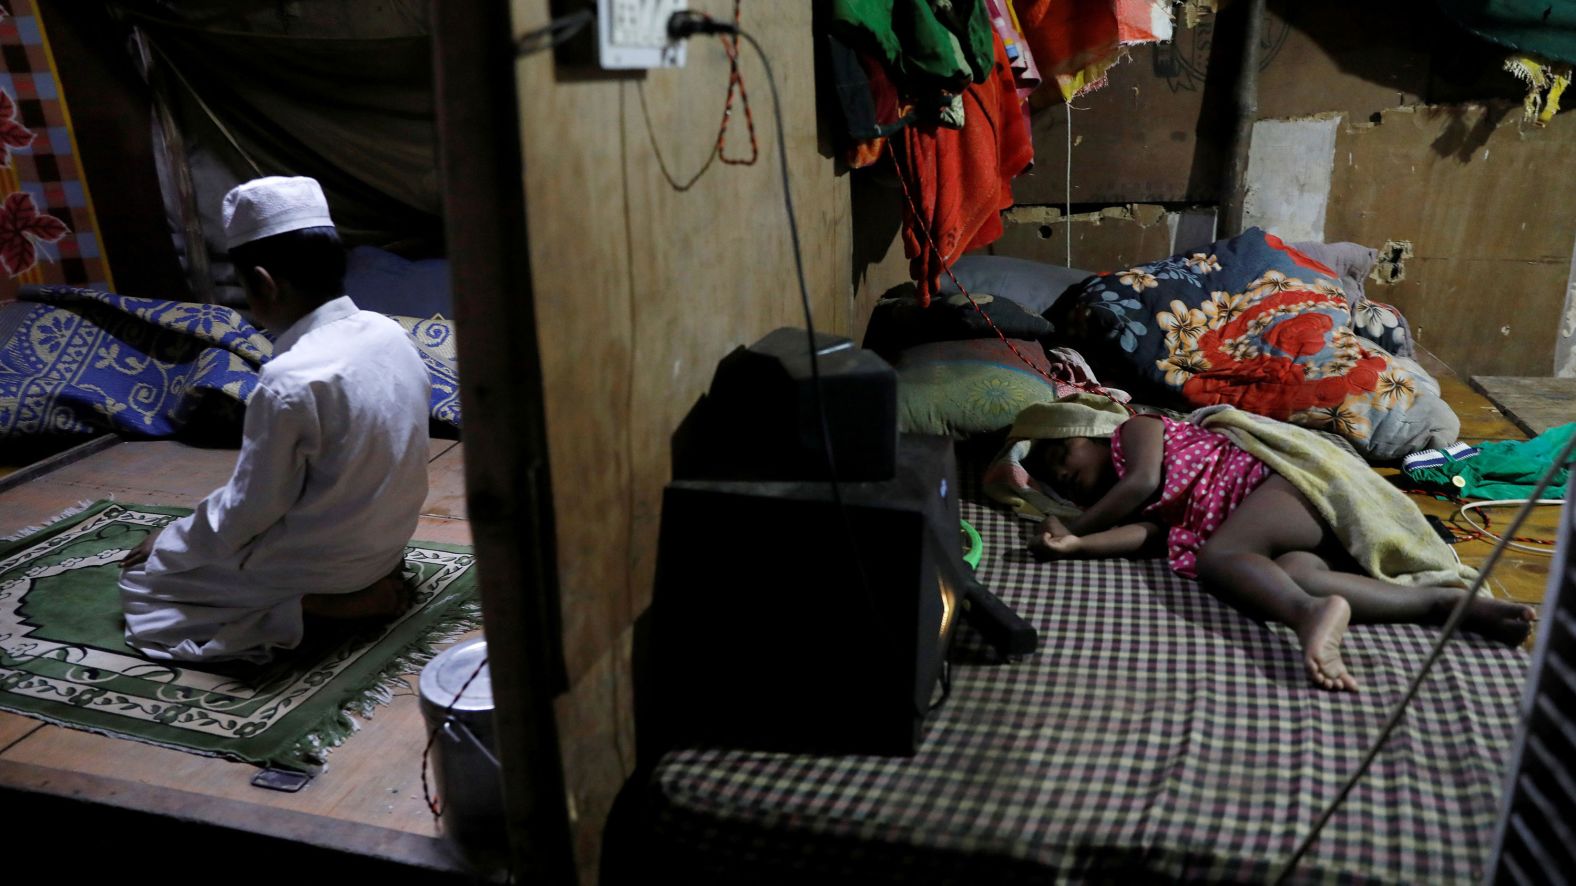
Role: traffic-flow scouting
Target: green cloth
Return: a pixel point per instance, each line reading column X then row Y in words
column 950, row 41
column 64, row 658
column 1378, row 524
column 1504, row 469
column 1545, row 28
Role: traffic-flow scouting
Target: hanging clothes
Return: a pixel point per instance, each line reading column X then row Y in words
column 872, row 107
column 897, row 62
column 1075, row 42
column 944, row 43
column 1546, row 82
column 1025, row 73
column 961, row 179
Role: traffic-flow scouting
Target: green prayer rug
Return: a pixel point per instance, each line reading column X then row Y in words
column 63, row 655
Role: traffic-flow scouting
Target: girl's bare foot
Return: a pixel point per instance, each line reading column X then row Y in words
column 1321, row 632
column 1501, row 620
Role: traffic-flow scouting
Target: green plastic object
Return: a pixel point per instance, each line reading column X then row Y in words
column 976, row 545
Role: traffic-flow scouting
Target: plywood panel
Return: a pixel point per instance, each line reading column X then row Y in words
column 446, row 484
column 1480, row 419
column 375, row 778
column 1120, row 240
column 1155, row 132
column 170, row 473
column 1134, row 140
column 1534, row 404
column 1520, row 575
column 1473, row 189
column 173, row 472
column 640, row 289
column 158, row 472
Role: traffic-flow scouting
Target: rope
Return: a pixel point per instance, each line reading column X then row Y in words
column 919, row 222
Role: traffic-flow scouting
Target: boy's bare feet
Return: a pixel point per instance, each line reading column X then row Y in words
column 1501, row 620
column 385, row 598
column 1321, row 632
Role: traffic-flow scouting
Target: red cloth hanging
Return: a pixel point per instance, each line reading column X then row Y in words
column 962, row 178
column 1074, row 41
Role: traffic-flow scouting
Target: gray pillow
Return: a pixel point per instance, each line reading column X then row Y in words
column 1351, row 262
column 1033, row 285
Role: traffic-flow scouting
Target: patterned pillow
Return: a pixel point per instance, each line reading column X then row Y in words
column 1383, row 325
column 434, row 340
column 81, row 361
column 957, row 388
column 1261, row 326
column 1380, row 323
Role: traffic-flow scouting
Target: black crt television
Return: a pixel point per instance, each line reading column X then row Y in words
column 783, row 620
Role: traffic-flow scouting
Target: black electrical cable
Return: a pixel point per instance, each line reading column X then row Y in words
column 809, row 326
column 555, row 33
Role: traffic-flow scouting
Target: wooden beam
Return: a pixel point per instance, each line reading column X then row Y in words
column 507, row 489
column 1247, row 111
column 57, row 461
column 151, row 807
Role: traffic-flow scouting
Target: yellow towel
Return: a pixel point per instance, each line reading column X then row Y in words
column 1377, row 523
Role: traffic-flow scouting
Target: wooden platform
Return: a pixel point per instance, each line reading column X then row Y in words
column 368, row 802
column 1532, row 404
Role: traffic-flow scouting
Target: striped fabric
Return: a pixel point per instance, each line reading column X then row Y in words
column 1157, row 733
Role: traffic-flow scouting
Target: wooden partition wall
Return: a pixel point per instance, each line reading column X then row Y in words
column 640, row 289
column 600, row 331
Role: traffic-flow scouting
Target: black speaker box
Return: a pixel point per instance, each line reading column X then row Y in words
column 761, row 418
column 777, row 626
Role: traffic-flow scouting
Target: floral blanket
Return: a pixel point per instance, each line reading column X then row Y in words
column 1255, row 324
column 81, row 361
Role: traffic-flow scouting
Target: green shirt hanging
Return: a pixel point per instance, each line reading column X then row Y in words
column 949, row 41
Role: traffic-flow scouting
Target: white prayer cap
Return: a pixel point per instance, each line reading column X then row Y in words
column 264, row 207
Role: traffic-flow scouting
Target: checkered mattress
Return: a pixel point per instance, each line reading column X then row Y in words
column 1159, row 733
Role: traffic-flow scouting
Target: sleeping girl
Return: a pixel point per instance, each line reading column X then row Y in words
column 1273, row 519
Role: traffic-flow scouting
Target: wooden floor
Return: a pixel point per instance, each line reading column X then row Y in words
column 370, row 798
column 1519, row 576
column 1533, row 404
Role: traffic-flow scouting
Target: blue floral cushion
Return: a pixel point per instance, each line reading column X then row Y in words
column 1257, row 324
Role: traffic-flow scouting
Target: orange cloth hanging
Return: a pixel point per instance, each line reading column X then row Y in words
column 963, row 177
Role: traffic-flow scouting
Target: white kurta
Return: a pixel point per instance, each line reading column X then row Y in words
column 326, row 492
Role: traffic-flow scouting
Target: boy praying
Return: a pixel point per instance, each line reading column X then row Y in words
column 332, row 471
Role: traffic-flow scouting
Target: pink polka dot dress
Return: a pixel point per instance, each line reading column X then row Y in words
column 1204, row 477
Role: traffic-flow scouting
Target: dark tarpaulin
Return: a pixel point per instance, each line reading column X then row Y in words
column 1545, row 28
column 340, row 91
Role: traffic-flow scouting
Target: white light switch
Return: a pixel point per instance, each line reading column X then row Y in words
column 633, row 34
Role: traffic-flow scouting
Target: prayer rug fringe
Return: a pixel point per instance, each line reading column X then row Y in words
column 72, row 511
column 310, row 753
